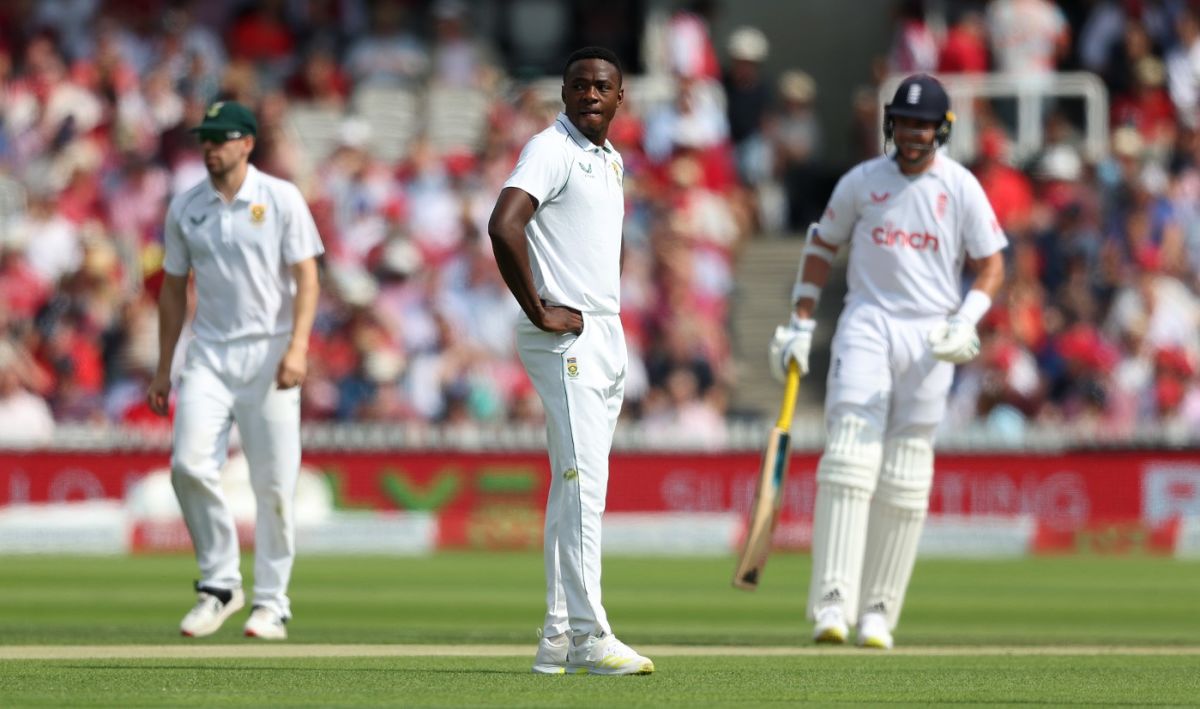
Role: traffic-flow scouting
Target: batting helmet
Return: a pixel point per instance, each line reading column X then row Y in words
column 922, row 97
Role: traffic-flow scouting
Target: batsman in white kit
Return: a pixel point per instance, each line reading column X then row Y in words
column 250, row 240
column 556, row 232
column 910, row 219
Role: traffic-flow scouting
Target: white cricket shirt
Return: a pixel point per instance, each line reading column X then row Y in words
column 242, row 252
column 574, row 238
column 909, row 236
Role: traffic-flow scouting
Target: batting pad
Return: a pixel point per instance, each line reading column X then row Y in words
column 845, row 479
column 894, row 531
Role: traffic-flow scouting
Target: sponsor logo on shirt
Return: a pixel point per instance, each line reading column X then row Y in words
column 890, row 236
column 587, row 169
column 197, row 221
column 877, row 198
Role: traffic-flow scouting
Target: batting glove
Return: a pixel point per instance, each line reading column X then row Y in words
column 791, row 341
column 954, row 340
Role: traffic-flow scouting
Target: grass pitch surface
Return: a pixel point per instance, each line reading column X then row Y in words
column 1070, row 631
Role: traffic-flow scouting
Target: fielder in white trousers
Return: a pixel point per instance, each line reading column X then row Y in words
column 581, row 381
column 224, row 383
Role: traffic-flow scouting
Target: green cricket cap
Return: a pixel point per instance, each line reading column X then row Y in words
column 229, row 118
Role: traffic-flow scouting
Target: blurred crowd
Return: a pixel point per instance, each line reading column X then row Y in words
column 414, row 324
column 1097, row 328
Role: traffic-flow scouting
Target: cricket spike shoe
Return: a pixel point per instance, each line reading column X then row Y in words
column 830, row 628
column 213, row 607
column 551, row 656
column 603, row 654
column 873, row 631
column 265, row 624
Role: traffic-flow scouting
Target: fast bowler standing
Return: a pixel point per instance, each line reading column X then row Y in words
column 252, row 244
column 556, row 232
column 910, row 219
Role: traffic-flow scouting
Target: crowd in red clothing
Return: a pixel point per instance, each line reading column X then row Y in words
column 414, row 324
column 1097, row 328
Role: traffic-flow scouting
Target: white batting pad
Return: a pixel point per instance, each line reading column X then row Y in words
column 845, row 479
column 897, row 515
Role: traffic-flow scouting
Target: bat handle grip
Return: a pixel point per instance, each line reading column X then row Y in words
column 791, row 388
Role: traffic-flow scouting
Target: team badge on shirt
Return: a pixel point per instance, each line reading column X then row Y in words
column 572, row 367
column 258, row 212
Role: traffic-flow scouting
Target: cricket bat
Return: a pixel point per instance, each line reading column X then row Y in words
column 765, row 512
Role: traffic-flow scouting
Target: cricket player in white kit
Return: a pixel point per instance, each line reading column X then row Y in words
column 250, row 240
column 911, row 220
column 556, row 232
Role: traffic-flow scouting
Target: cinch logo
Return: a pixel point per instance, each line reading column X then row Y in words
column 887, row 235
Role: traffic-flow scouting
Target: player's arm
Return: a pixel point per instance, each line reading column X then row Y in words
column 794, row 340
column 506, row 227
column 172, row 311
column 294, row 365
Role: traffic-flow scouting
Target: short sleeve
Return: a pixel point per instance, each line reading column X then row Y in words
column 837, row 223
column 981, row 232
column 541, row 170
column 176, row 259
column 300, row 238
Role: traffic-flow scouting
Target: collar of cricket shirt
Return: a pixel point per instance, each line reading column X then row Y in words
column 580, row 139
column 247, row 192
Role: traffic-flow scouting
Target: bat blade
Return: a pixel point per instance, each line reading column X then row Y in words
column 765, row 512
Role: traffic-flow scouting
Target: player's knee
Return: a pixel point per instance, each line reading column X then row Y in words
column 187, row 468
column 852, row 453
column 907, row 474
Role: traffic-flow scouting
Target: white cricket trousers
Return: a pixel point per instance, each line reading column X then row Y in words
column 222, row 383
column 581, row 381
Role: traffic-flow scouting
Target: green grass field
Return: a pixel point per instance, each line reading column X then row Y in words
column 1058, row 632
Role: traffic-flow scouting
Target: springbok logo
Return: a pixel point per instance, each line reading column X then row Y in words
column 258, row 212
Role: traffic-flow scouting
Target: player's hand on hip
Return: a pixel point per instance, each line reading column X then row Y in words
column 292, row 369
column 791, row 342
column 158, row 395
column 556, row 318
column 954, row 340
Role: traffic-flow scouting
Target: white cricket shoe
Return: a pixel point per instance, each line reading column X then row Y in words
column 266, row 624
column 212, row 607
column 831, row 627
column 605, row 655
column 873, row 631
column 551, row 656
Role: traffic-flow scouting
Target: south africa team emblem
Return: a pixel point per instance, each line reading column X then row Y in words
column 572, row 367
column 258, row 212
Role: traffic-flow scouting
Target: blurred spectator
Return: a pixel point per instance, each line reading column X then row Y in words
column 459, row 59
column 390, row 55
column 796, row 135
column 690, row 52
column 1183, row 70
column 965, row 50
column 1028, row 37
column 914, row 48
column 1008, row 189
column 748, row 96
column 25, row 418
column 319, row 80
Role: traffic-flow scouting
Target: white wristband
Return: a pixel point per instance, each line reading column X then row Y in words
column 803, row 290
column 975, row 306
